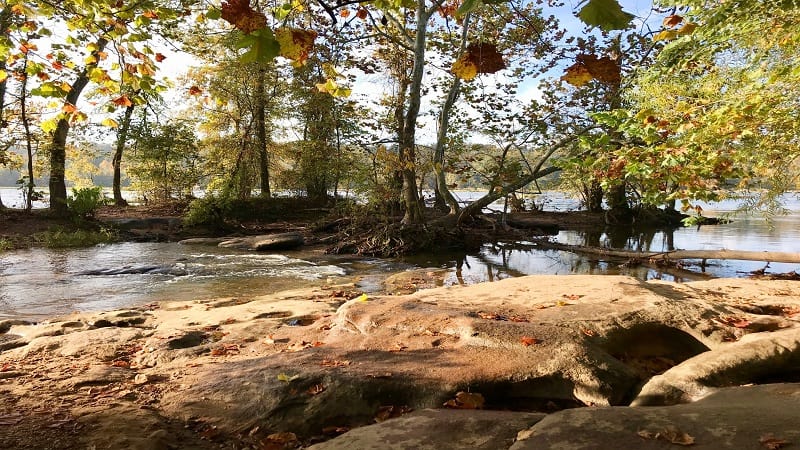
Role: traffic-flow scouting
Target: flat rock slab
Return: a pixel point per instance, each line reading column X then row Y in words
column 751, row 417
column 436, row 429
column 278, row 241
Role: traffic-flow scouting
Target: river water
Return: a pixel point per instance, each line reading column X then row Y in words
column 40, row 283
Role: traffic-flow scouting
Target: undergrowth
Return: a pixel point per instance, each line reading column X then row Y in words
column 59, row 238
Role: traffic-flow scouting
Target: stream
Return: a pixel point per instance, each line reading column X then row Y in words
column 39, row 283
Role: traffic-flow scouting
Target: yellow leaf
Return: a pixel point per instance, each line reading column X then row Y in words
column 3, row 75
column 687, row 29
column 666, row 35
column 361, row 298
column 286, row 378
column 464, row 68
column 49, row 125
column 109, row 122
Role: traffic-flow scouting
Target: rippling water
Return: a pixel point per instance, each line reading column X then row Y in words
column 39, row 283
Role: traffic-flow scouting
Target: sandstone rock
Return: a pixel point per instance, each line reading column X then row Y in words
column 435, row 429
column 731, row 418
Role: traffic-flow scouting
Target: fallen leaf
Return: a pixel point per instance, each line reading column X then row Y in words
column 588, row 332
column 121, row 363
column 573, row 296
column 316, row 389
column 527, row 341
column 334, row 363
column 286, row 378
column 772, row 443
column 466, row 400
column 391, row 412
column 733, row 321
column 334, row 430
column 670, row 434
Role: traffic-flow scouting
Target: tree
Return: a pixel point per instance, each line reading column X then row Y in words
column 164, row 163
column 718, row 113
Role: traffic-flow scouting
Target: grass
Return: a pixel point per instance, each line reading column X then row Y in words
column 59, row 238
column 5, row 245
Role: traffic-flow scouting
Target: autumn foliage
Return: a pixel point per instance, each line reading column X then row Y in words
column 242, row 16
column 480, row 57
column 590, row 67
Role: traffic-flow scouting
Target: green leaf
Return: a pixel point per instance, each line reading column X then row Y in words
column 606, row 14
column 468, row 6
column 214, row 13
column 262, row 45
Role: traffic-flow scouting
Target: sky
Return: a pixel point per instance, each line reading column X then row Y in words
column 178, row 63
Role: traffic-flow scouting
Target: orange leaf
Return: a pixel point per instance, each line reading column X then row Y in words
column 122, row 101
column 150, row 14
column 344, row 13
column 361, row 13
column 242, row 16
column 69, row 108
column 771, row 442
column 315, row 389
column 57, row 65
column 672, row 21
column 527, row 341
column 466, row 400
column 194, row 90
column 160, row 57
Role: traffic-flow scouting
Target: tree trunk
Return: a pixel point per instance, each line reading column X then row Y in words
column 413, row 213
column 778, row 257
column 261, row 130
column 58, row 187
column 116, row 162
column 593, row 193
column 443, row 194
column 619, row 210
column 23, row 110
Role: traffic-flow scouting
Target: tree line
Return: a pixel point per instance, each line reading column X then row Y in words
column 679, row 103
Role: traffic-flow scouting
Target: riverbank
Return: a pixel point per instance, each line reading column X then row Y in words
column 520, row 363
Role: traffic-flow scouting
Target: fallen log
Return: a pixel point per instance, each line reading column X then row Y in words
column 743, row 255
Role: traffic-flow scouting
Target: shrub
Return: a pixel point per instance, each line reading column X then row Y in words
column 210, row 211
column 84, row 202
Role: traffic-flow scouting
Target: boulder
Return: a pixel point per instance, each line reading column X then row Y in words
column 749, row 417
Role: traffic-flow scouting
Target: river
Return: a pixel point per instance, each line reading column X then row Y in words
column 39, row 283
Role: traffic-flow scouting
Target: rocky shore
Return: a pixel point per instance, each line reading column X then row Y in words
column 530, row 362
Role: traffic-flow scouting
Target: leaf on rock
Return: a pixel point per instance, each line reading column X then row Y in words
column 239, row 14
column 527, row 341
column 480, row 57
column 670, row 434
column 606, row 14
column 280, row 441
column 316, row 389
column 286, row 378
column 391, row 412
column 466, row 400
column 772, row 443
column 295, row 44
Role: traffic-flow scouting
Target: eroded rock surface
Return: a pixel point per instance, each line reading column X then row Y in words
column 317, row 362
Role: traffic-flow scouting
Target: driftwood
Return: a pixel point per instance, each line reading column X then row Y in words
column 781, row 257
